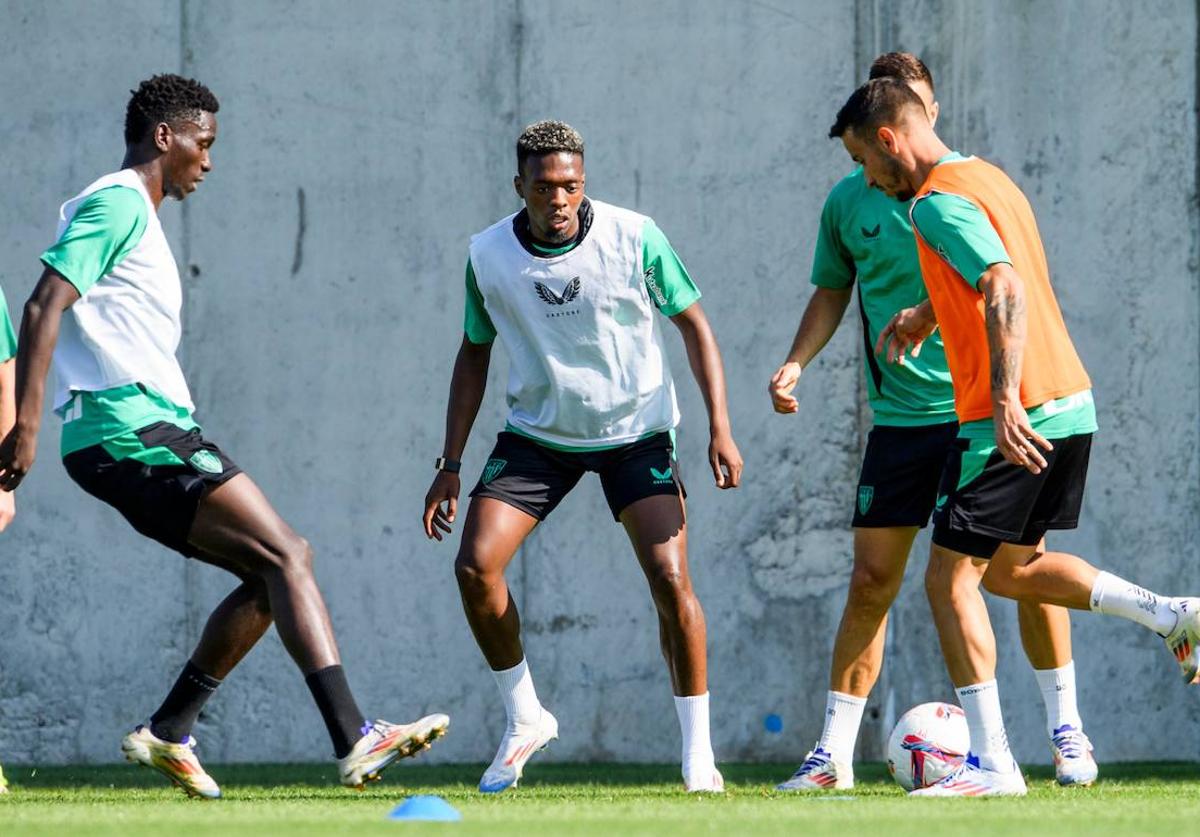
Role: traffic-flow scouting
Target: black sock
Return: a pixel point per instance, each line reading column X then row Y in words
column 175, row 718
column 342, row 716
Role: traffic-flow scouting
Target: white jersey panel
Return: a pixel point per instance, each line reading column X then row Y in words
column 587, row 362
column 127, row 327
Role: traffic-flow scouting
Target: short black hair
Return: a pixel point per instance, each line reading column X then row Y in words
column 547, row 137
column 165, row 98
column 901, row 65
column 879, row 101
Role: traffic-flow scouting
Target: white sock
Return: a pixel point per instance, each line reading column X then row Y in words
column 989, row 741
column 1114, row 596
column 521, row 703
column 843, row 717
column 693, row 726
column 1058, row 693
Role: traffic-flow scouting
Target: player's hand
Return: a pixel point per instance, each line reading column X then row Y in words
column 726, row 460
column 906, row 332
column 1015, row 437
column 438, row 519
column 782, row 383
column 17, row 453
column 8, row 508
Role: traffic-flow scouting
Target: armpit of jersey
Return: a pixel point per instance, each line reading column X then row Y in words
column 476, row 323
column 103, row 231
column 8, row 340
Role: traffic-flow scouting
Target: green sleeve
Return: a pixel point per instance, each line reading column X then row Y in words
column 667, row 280
column 104, row 229
column 476, row 323
column 8, row 340
column 960, row 233
column 833, row 266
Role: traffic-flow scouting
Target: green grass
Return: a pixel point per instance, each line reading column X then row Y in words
column 296, row 800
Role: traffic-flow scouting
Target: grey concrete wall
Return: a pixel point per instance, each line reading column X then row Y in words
column 360, row 146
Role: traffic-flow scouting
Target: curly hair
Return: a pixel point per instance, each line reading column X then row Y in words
column 878, row 102
column 165, row 98
column 902, row 65
column 547, row 137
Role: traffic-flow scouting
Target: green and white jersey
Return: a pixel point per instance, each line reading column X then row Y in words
column 8, row 338
column 865, row 236
column 588, row 368
column 115, row 363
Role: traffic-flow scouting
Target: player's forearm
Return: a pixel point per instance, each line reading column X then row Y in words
column 39, row 334
column 818, row 324
column 1006, row 320
column 704, row 357
column 467, row 386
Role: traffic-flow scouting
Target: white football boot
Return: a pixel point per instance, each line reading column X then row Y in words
column 969, row 779
column 177, row 762
column 3, row 782
column 1184, row 640
column 384, row 743
column 1074, row 763
column 519, row 743
column 819, row 771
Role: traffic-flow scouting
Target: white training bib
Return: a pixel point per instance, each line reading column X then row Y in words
column 587, row 362
column 126, row 328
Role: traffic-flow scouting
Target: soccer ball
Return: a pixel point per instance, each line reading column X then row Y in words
column 929, row 741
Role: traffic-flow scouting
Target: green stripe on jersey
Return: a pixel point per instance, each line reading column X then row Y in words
column 8, row 339
column 865, row 236
column 102, row 232
column 576, row 449
column 110, row 417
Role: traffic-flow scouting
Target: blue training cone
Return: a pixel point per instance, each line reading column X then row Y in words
column 425, row 808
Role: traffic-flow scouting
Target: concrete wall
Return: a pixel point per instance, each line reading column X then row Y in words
column 359, row 148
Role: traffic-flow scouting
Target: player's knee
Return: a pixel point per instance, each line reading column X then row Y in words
column 670, row 585
column 471, row 579
column 1000, row 582
column 872, row 588
column 294, row 556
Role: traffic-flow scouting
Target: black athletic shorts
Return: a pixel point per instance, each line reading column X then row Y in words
column 159, row 501
column 535, row 478
column 901, row 471
column 985, row 500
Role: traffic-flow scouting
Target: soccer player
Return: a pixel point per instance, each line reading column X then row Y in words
column 8, row 415
column 1025, row 409
column 107, row 309
column 865, row 239
column 571, row 287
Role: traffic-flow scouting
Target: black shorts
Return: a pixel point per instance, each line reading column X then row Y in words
column 159, row 501
column 901, row 471
column 985, row 500
column 535, row 478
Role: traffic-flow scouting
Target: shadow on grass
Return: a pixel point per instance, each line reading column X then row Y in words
column 466, row 776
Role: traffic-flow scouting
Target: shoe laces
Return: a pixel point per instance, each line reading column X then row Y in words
column 1071, row 742
column 816, row 760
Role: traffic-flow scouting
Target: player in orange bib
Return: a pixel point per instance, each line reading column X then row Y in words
column 1025, row 409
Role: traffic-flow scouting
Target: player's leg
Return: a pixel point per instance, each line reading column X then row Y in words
column 657, row 529
column 236, row 524
column 880, row 556
column 521, row 484
column 1046, row 638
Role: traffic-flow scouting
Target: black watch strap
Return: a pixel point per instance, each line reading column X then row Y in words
column 444, row 464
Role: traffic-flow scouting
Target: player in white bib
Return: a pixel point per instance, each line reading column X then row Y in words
column 575, row 289
column 107, row 310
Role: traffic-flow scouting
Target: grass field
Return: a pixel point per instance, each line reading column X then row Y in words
column 295, row 800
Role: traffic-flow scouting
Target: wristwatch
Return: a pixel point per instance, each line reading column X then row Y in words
column 453, row 466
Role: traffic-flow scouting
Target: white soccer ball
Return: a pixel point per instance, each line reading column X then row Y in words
column 929, row 741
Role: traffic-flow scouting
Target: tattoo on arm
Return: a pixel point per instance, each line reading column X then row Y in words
column 1005, row 314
